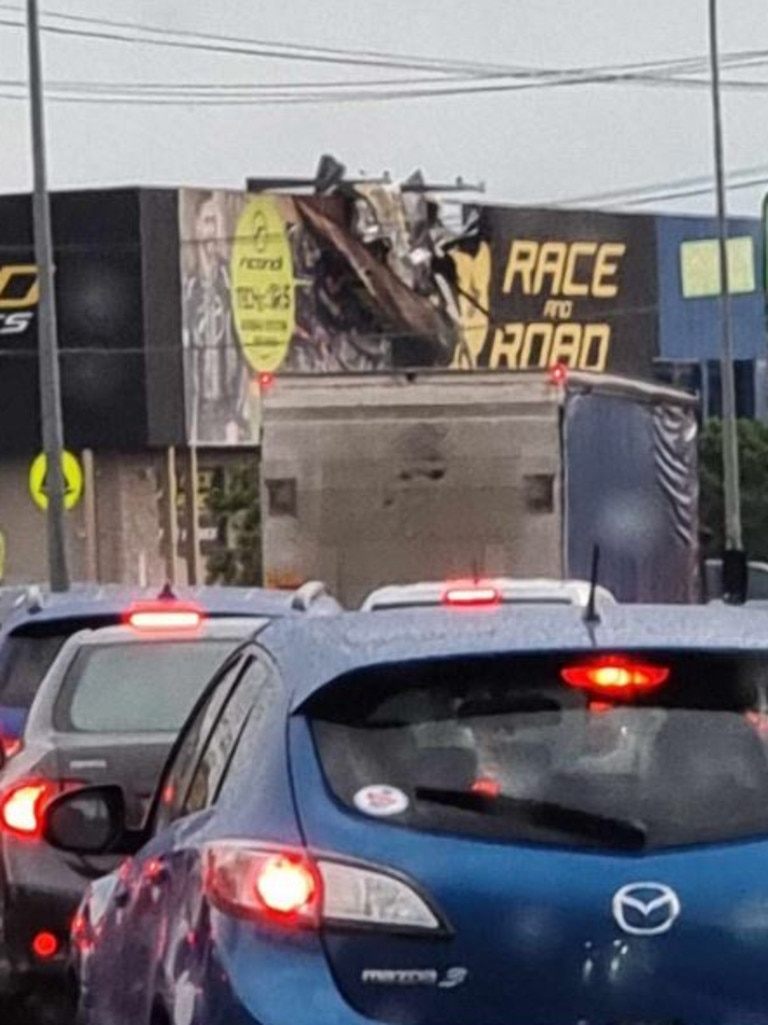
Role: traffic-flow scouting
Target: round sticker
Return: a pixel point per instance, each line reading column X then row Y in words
column 381, row 800
column 263, row 289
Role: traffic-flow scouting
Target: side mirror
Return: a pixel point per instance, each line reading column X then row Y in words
column 86, row 821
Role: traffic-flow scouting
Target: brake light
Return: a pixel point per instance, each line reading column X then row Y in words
column 286, row 886
column 558, row 373
column 21, row 808
column 45, row 946
column 163, row 616
column 266, row 380
column 257, row 884
column 616, row 675
column 292, row 889
column 471, row 595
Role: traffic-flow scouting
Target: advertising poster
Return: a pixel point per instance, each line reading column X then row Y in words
column 374, row 277
column 539, row 287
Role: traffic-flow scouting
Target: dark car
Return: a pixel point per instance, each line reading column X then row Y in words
column 512, row 816
column 108, row 710
column 37, row 625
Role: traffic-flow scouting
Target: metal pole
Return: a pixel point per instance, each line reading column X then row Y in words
column 50, row 389
column 171, row 525
column 733, row 538
column 91, row 520
column 194, row 561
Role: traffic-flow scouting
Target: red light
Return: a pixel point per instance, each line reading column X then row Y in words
column 471, row 595
column 759, row 720
column 619, row 676
column 598, row 707
column 487, row 787
column 154, row 871
column 10, row 747
column 45, row 946
column 285, row 886
column 558, row 373
column 21, row 809
column 78, row 932
column 163, row 616
column 257, row 885
column 266, row 380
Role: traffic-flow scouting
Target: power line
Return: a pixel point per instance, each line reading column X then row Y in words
column 301, row 52
column 689, row 193
column 641, row 191
column 132, row 94
column 355, row 92
column 292, row 50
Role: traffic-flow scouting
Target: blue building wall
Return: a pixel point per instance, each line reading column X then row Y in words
column 689, row 328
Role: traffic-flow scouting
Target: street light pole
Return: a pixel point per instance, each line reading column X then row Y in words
column 48, row 350
column 734, row 558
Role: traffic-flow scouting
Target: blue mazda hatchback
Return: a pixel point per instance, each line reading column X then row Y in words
column 448, row 817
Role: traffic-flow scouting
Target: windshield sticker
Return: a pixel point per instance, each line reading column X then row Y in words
column 381, row 800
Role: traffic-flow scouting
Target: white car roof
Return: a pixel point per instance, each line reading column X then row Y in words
column 530, row 591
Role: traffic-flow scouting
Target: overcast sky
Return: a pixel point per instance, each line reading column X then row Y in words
column 531, row 146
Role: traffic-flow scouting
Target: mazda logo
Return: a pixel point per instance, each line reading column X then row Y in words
column 646, row 909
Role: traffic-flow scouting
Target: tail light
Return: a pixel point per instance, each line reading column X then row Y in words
column 293, row 889
column 22, row 808
column 471, row 595
column 616, row 675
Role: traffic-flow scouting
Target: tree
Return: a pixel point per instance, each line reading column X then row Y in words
column 753, row 457
column 237, row 501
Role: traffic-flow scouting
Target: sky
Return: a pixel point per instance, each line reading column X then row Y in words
column 537, row 138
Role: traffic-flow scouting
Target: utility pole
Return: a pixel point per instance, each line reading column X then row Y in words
column 734, row 557
column 48, row 350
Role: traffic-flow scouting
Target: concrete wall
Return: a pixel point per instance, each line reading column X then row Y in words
column 126, row 546
column 129, row 494
column 23, row 526
column 120, row 529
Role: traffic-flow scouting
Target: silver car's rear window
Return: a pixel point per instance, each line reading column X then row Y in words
column 137, row 688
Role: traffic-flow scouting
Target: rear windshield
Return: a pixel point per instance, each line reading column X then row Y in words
column 27, row 654
column 503, row 748
column 137, row 687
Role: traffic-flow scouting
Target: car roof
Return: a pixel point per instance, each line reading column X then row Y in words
column 510, row 590
column 224, row 628
column 311, row 653
column 110, row 600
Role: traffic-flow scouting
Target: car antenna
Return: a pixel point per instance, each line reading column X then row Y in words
column 591, row 614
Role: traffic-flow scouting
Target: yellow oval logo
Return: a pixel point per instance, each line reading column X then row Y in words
column 263, row 290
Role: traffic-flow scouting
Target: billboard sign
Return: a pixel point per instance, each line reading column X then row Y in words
column 540, row 287
column 376, row 279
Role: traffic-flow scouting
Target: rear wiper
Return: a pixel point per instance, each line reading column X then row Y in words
column 629, row 833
